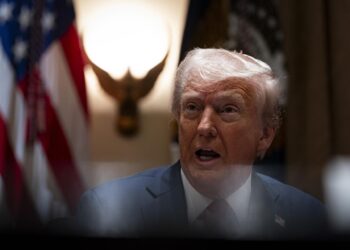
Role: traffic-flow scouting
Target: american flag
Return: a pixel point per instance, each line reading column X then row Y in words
column 44, row 116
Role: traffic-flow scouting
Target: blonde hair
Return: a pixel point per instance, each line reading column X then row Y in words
column 215, row 65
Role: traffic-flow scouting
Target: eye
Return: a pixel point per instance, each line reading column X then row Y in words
column 229, row 109
column 229, row 112
column 191, row 109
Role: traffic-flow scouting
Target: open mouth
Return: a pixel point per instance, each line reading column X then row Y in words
column 206, row 155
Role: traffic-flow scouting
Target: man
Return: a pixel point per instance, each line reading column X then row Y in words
column 226, row 105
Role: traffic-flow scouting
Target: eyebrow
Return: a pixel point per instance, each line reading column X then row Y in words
column 235, row 96
column 222, row 93
column 238, row 92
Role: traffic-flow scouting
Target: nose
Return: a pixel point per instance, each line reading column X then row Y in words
column 206, row 126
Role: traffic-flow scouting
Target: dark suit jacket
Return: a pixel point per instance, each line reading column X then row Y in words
column 152, row 204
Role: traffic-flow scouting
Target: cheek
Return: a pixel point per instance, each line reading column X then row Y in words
column 187, row 131
column 187, row 128
column 242, row 140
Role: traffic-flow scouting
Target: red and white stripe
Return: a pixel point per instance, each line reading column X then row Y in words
column 49, row 176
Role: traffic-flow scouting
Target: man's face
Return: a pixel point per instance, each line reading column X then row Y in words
column 220, row 133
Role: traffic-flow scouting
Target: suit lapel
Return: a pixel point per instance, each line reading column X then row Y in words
column 263, row 217
column 165, row 213
column 164, row 205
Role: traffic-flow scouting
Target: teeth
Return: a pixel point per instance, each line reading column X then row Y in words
column 206, row 155
column 205, row 158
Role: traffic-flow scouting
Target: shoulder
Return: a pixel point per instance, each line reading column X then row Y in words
column 304, row 213
column 286, row 193
column 114, row 208
column 127, row 185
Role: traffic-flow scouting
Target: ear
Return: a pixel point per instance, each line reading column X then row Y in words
column 265, row 140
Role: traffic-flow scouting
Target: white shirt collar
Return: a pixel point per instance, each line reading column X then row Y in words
column 196, row 202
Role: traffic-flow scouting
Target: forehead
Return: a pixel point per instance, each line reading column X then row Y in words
column 247, row 89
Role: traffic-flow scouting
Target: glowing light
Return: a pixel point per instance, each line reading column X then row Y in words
column 337, row 190
column 126, row 36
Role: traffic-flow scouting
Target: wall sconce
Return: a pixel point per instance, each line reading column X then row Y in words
column 133, row 41
column 127, row 91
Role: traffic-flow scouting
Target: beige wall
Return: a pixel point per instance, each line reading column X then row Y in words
column 111, row 154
